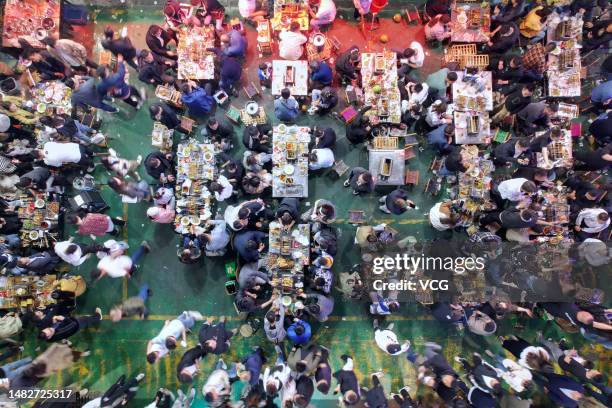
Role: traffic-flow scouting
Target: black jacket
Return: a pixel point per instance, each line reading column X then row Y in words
column 165, row 167
column 157, row 47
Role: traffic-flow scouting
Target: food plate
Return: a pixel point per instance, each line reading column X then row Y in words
column 282, row 128
column 286, row 300
column 208, row 156
column 462, row 18
column 185, row 221
column 251, row 108
column 41, row 108
column 33, row 235
column 40, row 203
column 288, row 169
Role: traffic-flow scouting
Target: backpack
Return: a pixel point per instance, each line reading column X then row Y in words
column 10, row 325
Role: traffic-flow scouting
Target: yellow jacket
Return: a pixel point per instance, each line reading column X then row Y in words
column 532, row 24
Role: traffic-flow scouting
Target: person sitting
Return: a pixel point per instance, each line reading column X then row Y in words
column 163, row 113
column 324, row 15
column 321, row 75
column 441, row 138
column 153, row 71
column 360, row 180
column 360, row 128
column 327, row 100
column 533, row 26
column 157, row 40
column 159, row 166
column 503, row 38
column 508, row 13
column 396, row 202
column 220, row 132
column 534, row 60
column 291, row 43
column 321, row 159
column 438, row 28
column 510, row 152
column 197, row 100
column 324, row 138
column 256, row 183
column 250, row 244
column 256, row 138
column 347, row 64
column 286, row 108
column 234, row 44
column 251, row 10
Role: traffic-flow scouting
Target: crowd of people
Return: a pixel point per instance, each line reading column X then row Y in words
column 44, row 152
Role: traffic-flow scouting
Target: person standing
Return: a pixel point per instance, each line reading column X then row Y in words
column 66, row 326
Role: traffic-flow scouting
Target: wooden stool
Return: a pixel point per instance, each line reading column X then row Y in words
column 251, row 90
column 412, row 178
column 186, row 125
column 356, row 217
column 412, row 15
column 233, row 114
column 340, row 167
column 409, row 153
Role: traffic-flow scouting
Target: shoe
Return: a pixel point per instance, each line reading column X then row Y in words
column 382, row 199
column 347, row 183
column 90, row 169
column 391, row 326
column 355, row 192
column 140, row 377
column 99, row 312
column 384, row 209
column 458, row 359
column 143, row 93
column 139, row 104
column 83, row 392
column 98, row 139
column 139, row 159
column 146, row 246
column 116, row 110
column 86, row 353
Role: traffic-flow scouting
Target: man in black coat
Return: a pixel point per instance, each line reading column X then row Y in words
column 159, row 166
column 66, row 326
column 215, row 338
column 164, row 114
column 157, row 40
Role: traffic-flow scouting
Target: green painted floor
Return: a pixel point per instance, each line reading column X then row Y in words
column 120, row 348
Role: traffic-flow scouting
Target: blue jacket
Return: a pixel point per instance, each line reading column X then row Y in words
column 286, row 110
column 299, row 339
column 602, row 92
column 198, row 102
column 115, row 82
column 237, row 46
column 88, row 94
column 240, row 242
column 323, row 75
